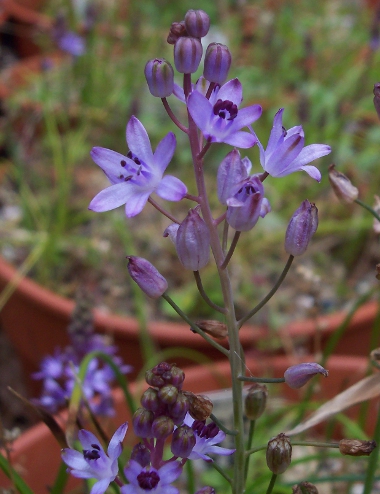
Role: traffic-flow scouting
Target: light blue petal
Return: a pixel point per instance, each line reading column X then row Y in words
column 284, row 156
column 114, row 448
column 276, row 132
column 313, row 172
column 246, row 116
column 170, row 472
column 109, row 161
column 220, row 451
column 164, row 152
column 87, row 439
column 138, row 141
column 112, row 197
column 136, row 203
column 73, row 459
column 100, row 487
column 231, row 91
column 311, row 153
column 240, row 139
column 200, row 109
column 171, row 188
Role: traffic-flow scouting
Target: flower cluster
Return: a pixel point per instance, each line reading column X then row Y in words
column 164, row 412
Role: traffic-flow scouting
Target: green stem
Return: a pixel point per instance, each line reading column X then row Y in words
column 270, row 294
column 194, row 326
column 221, row 471
column 190, row 476
column 231, row 250
column 262, row 379
column 271, row 483
column 368, row 208
column 221, row 426
column 204, row 294
column 373, row 460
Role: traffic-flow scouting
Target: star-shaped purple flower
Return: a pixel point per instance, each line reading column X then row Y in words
column 94, row 462
column 136, row 176
column 207, row 437
column 148, row 479
column 285, row 152
column 219, row 117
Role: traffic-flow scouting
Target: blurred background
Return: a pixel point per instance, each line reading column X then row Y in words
column 71, row 75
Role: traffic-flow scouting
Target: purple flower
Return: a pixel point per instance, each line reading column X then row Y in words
column 148, row 479
column 220, row 119
column 93, row 462
column 207, row 437
column 285, row 152
column 72, row 43
column 136, row 176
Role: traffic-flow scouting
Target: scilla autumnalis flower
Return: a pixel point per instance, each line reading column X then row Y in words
column 285, row 152
column 151, row 480
column 136, row 176
column 219, row 117
column 93, row 462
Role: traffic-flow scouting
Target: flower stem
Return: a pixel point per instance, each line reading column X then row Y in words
column 269, row 295
column 271, row 483
column 231, row 250
column 249, row 445
column 204, row 294
column 262, row 379
column 194, row 326
column 368, row 208
column 172, row 116
column 221, row 426
column 163, row 211
column 373, row 460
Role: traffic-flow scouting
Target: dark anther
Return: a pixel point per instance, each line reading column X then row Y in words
column 91, row 455
column 123, row 163
column 129, row 155
column 224, row 108
column 128, row 178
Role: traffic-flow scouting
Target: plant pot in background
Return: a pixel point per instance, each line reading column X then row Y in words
column 35, row 321
column 36, row 454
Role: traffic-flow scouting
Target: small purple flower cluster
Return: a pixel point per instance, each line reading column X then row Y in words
column 58, row 373
column 164, row 412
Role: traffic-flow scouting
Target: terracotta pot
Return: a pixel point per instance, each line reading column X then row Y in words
column 35, row 320
column 37, row 455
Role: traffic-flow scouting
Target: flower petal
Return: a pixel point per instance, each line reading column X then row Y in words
column 240, row 139
column 220, row 451
column 114, row 448
column 200, row 109
column 111, row 197
column 313, row 172
column 164, row 152
column 73, row 459
column 284, row 156
column 171, row 188
column 87, row 439
column 311, row 153
column 170, row 472
column 109, row 161
column 247, row 115
column 136, row 203
column 100, row 487
column 138, row 141
column 231, row 91
column 276, row 132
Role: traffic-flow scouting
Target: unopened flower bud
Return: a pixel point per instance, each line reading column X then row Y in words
column 298, row 375
column 232, row 170
column 159, row 75
column 354, row 447
column 217, row 63
column 200, row 406
column 151, row 282
column 183, row 441
column 342, row 186
column 216, row 329
column 255, row 401
column 193, row 242
column 141, row 454
column 149, row 399
column 376, row 99
column 168, row 394
column 197, row 23
column 142, row 421
column 305, row 488
column 301, row 228
column 179, row 409
column 279, row 454
column 162, row 427
column 176, row 377
column 153, row 380
column 177, row 30
column 187, row 54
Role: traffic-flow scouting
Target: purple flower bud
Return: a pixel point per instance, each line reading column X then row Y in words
column 183, row 441
column 255, row 401
column 179, row 409
column 151, row 282
column 193, row 242
column 301, row 228
column 141, row 454
column 305, row 488
column 298, row 375
column 154, row 380
column 162, row 427
column 197, row 23
column 244, row 207
column 232, row 170
column 142, row 421
column 176, row 377
column 279, row 454
column 187, row 54
column 159, row 75
column 217, row 63
column 206, row 490
column 342, row 186
column 168, row 394
column 149, row 399
column 171, row 232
